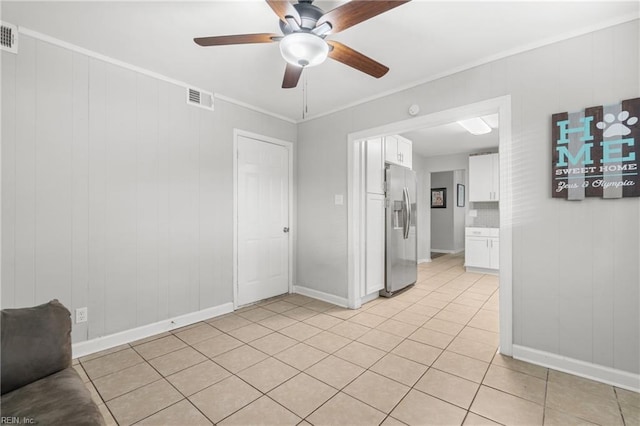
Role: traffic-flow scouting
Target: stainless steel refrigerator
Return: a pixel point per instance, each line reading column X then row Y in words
column 401, row 250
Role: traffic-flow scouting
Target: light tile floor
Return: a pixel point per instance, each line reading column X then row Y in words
column 426, row 356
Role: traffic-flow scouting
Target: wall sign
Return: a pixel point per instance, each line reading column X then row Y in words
column 595, row 152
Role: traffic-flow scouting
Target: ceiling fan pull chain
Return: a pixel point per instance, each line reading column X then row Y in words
column 306, row 94
column 305, row 107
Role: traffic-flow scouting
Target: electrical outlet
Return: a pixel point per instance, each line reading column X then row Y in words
column 81, row 315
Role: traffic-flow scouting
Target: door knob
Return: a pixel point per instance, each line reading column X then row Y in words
column 285, row 229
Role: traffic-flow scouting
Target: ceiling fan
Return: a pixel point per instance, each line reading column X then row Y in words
column 305, row 28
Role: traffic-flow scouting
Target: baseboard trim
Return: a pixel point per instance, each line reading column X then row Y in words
column 447, row 251
column 320, row 295
column 424, row 261
column 369, row 297
column 611, row 376
column 482, row 270
column 106, row 342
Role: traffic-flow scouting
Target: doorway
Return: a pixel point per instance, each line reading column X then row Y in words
column 262, row 218
column 356, row 212
column 447, row 219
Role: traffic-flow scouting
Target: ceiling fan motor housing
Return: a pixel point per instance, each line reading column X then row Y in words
column 303, row 42
column 309, row 15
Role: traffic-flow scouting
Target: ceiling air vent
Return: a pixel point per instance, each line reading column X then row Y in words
column 8, row 37
column 200, row 98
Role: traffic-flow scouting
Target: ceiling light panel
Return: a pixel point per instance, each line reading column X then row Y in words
column 492, row 120
column 475, row 126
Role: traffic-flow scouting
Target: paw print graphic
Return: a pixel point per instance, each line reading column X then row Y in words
column 616, row 126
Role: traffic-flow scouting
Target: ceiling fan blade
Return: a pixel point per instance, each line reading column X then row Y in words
column 236, row 39
column 355, row 59
column 291, row 76
column 356, row 11
column 283, row 9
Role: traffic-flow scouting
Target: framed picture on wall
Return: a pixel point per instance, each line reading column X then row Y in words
column 438, row 198
column 460, row 201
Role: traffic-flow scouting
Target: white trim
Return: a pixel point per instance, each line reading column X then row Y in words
column 254, row 108
column 369, row 297
column 320, row 295
column 292, row 201
column 355, row 236
column 424, row 261
column 611, row 376
column 106, row 342
column 483, row 61
column 482, row 270
column 447, row 251
column 356, row 227
column 110, row 60
column 234, row 260
column 104, row 58
column 506, row 225
column 576, row 33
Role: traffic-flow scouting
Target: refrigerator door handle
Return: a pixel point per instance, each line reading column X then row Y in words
column 407, row 206
column 408, row 212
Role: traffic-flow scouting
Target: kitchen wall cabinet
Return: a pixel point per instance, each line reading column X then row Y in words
column 375, row 166
column 484, row 177
column 482, row 248
column 398, row 150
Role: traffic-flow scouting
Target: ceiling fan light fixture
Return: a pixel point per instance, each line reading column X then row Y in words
column 475, row 126
column 304, row 49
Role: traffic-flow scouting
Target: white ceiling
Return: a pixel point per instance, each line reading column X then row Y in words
column 417, row 41
column 451, row 138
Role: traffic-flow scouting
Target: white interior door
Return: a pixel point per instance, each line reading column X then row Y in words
column 263, row 220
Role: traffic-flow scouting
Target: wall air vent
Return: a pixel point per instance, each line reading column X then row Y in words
column 8, row 37
column 199, row 98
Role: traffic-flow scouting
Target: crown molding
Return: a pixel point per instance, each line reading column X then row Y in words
column 483, row 61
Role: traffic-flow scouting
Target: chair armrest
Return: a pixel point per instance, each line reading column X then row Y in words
column 35, row 343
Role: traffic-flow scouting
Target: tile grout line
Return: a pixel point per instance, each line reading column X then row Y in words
column 412, row 387
column 544, row 402
column 273, row 356
column 452, row 291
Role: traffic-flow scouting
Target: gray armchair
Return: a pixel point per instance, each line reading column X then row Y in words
column 39, row 384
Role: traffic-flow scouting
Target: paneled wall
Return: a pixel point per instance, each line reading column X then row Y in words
column 116, row 194
column 442, row 226
column 576, row 265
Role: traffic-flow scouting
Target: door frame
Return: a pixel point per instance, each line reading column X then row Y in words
column 356, row 182
column 292, row 225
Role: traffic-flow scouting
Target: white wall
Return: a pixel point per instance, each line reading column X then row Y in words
column 442, row 234
column 116, row 194
column 575, row 264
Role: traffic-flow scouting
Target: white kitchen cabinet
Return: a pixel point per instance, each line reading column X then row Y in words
column 476, row 253
column 482, row 248
column 375, row 244
column 494, row 253
column 375, row 166
column 398, row 150
column 484, row 177
column 405, row 150
column 391, row 149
